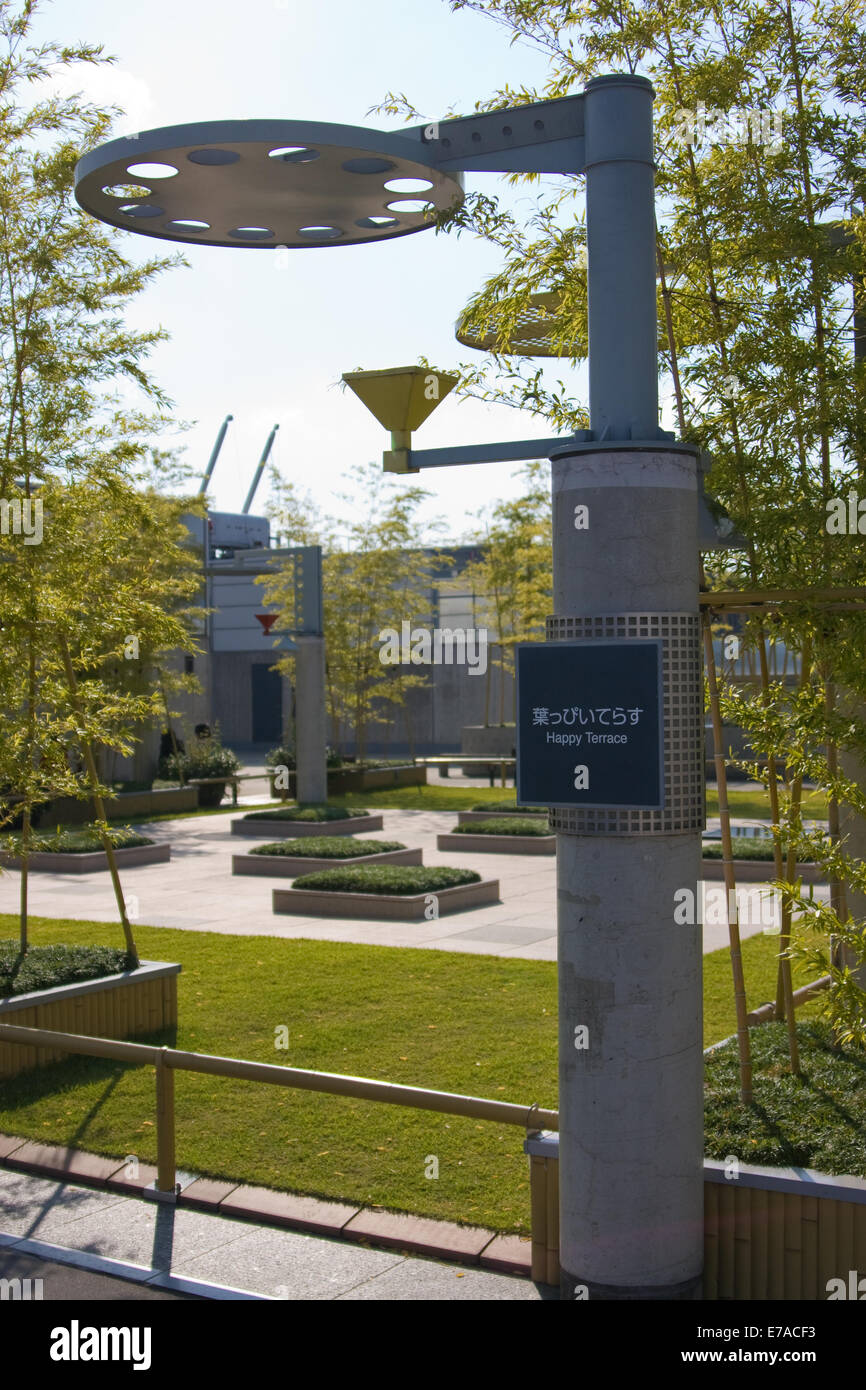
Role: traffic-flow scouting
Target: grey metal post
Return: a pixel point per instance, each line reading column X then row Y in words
column 630, row 1102
column 621, row 262
column 310, row 720
column 215, row 451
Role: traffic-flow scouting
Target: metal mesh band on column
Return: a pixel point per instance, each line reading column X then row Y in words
column 684, row 808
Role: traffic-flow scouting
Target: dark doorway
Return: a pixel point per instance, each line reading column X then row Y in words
column 267, row 705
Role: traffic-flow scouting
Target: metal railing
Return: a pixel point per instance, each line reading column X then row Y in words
column 168, row 1060
column 491, row 761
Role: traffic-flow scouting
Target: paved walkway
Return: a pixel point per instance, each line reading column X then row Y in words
column 154, row 1246
column 196, row 891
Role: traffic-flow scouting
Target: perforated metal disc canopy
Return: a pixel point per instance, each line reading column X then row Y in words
column 266, row 184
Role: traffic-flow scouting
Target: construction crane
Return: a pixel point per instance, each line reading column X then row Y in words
column 208, row 473
column 259, row 471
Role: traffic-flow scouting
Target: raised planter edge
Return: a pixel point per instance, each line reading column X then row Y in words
column 263, row 865
column 497, row 844
column 295, row 829
column 330, row 902
column 55, row 861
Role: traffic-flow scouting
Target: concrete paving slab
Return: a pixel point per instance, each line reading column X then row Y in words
column 508, row 1254
column 309, row 1213
column 65, row 1284
column 9, row 1143
column 292, row 1266
column 28, row 1202
column 437, row 1283
column 186, row 1251
column 205, row 1193
column 424, row 1236
column 53, row 1160
column 196, row 891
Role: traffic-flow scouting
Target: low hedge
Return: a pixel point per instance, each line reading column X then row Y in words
column 815, row 1120
column 307, row 813
column 504, row 825
column 44, row 967
column 508, row 806
column 757, row 849
column 85, row 840
column 328, row 847
column 395, row 880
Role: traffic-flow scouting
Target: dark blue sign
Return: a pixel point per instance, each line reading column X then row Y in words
column 589, row 724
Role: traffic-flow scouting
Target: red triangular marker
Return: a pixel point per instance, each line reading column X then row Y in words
column 267, row 620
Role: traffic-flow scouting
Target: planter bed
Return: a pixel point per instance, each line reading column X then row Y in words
column 498, row 844
column 272, row 828
column 760, row 871
column 392, row 893
column 502, row 835
column 468, row 817
column 127, row 1005
column 349, row 779
column 293, row 865
column 70, row 810
column 66, row 862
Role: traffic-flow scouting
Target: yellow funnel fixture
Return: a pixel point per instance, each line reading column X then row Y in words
column 401, row 398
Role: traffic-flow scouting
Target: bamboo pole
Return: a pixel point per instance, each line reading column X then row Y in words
column 743, row 1040
column 25, row 869
column 838, row 894
column 102, row 822
column 784, row 978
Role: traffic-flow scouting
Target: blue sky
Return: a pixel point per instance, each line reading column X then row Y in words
column 267, row 341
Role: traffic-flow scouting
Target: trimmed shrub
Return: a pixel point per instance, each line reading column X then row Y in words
column 761, row 850
column 395, row 880
column 206, row 758
column 494, row 806
column 504, row 825
column 44, row 967
column 281, row 757
column 328, row 847
column 307, row 813
column 85, row 840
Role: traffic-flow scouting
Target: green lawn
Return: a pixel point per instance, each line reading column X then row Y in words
column 750, row 802
column 480, row 1025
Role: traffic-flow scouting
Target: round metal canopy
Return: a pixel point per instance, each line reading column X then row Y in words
column 265, row 184
column 538, row 331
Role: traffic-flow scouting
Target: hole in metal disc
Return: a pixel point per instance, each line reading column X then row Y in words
column 408, row 185
column 411, row 205
column 151, row 171
column 142, row 210
column 320, row 233
column 506, row 130
column 367, row 166
column 213, row 157
column 127, row 191
column 378, row 222
column 294, row 154
column 251, row 233
column 186, row 224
